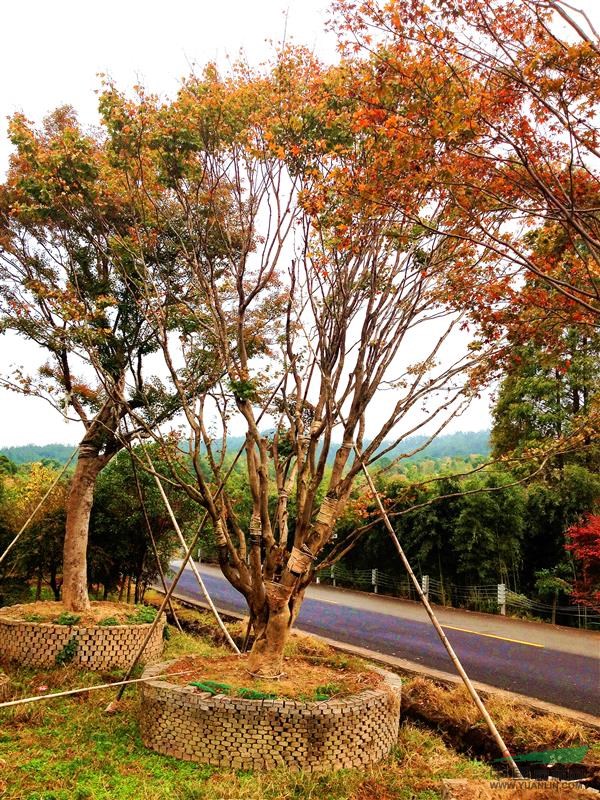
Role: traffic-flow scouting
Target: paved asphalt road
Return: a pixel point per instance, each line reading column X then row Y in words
column 557, row 665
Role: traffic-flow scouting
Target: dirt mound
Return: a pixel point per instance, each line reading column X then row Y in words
column 303, row 679
column 486, row 790
column 100, row 613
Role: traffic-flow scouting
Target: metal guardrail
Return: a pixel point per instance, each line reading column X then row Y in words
column 491, row 598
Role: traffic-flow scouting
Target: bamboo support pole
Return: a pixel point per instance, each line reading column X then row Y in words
column 187, row 552
column 151, row 535
column 39, row 505
column 67, row 692
column 112, row 707
column 455, row 660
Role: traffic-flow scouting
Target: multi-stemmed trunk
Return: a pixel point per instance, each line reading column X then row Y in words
column 273, row 626
column 283, row 599
column 79, row 508
column 266, row 656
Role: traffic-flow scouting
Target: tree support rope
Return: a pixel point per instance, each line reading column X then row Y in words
column 39, row 505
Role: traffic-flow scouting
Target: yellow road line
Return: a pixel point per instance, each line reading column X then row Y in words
column 493, row 636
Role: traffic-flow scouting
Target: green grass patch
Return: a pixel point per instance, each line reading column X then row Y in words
column 142, row 615
column 66, row 618
column 184, row 644
column 68, row 652
column 214, row 687
column 108, row 622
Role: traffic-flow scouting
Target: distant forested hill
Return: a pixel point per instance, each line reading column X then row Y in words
column 452, row 445
column 27, row 453
column 461, row 443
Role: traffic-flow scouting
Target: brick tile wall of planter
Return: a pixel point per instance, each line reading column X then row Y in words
column 262, row 734
column 37, row 644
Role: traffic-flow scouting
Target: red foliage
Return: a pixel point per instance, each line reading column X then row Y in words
column 585, row 546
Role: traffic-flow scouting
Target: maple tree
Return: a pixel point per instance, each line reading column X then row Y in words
column 508, row 92
column 68, row 284
column 290, row 300
column 584, row 543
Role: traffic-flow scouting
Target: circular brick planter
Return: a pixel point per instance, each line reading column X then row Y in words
column 262, row 734
column 4, row 687
column 37, row 644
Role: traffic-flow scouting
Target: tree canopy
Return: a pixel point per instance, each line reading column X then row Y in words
column 292, row 247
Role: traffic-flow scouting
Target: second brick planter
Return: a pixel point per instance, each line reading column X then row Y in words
column 38, row 644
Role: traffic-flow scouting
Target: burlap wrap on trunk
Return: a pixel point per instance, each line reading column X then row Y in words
column 277, row 595
column 220, row 537
column 300, row 561
column 327, row 511
column 255, row 531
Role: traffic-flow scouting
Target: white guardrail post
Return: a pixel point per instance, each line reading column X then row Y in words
column 502, row 598
column 425, row 585
column 374, row 579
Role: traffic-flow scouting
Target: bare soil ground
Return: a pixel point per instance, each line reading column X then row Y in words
column 50, row 611
column 303, row 678
column 483, row 790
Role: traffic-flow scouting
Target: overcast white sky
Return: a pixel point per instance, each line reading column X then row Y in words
column 51, row 55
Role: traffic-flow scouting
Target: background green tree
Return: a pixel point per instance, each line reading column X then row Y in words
column 69, row 283
column 121, row 552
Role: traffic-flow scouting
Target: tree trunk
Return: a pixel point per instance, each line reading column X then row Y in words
column 79, row 507
column 137, row 598
column 54, row 585
column 266, row 656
